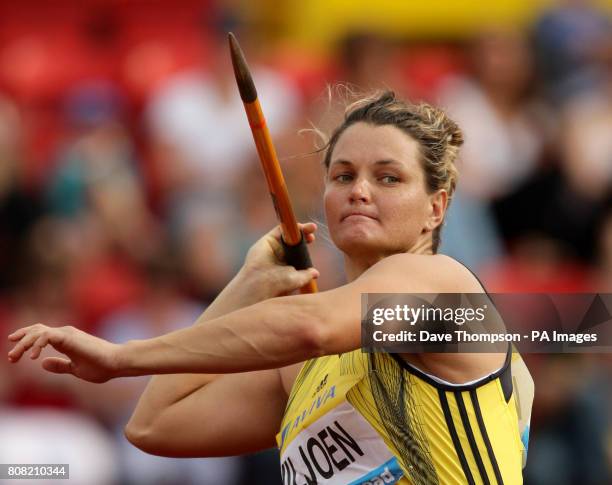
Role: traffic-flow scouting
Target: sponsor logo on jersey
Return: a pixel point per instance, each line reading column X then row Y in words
column 316, row 404
column 321, row 385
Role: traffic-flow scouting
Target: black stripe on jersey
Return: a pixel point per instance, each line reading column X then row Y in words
column 485, row 436
column 506, row 382
column 470, row 435
column 453, row 432
column 455, row 387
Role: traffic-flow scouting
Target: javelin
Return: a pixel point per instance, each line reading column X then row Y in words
column 294, row 243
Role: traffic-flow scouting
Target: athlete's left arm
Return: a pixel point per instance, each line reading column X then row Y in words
column 276, row 332
column 270, row 334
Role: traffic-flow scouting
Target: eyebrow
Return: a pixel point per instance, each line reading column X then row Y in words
column 378, row 162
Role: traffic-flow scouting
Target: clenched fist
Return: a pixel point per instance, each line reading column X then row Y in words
column 266, row 258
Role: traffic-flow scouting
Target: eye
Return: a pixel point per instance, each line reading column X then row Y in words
column 343, row 177
column 389, row 179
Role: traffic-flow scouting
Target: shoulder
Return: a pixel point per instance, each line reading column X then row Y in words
column 423, row 273
column 334, row 316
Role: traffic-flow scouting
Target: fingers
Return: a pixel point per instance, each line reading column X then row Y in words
column 289, row 279
column 268, row 250
column 23, row 345
column 35, row 337
column 303, row 277
column 57, row 365
column 17, row 334
column 40, row 344
column 308, row 229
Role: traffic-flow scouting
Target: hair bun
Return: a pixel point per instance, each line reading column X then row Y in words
column 454, row 135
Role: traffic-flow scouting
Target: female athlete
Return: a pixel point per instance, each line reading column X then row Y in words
column 260, row 369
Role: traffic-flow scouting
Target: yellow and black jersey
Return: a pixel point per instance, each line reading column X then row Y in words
column 362, row 418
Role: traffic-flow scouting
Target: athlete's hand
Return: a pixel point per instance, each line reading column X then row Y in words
column 266, row 259
column 89, row 358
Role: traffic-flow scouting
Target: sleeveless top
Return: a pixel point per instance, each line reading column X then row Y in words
column 361, row 418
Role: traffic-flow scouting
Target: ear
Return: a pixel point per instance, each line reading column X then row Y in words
column 438, row 202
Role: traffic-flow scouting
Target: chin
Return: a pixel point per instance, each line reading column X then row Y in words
column 361, row 243
column 357, row 244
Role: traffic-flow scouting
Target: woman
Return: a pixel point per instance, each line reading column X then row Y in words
column 344, row 416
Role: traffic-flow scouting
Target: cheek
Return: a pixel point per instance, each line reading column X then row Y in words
column 409, row 215
column 331, row 205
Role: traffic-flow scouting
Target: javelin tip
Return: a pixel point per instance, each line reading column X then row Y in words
column 248, row 93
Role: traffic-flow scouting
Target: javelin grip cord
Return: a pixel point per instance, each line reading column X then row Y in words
column 297, row 255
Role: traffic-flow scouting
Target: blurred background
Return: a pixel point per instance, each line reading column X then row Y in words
column 130, row 188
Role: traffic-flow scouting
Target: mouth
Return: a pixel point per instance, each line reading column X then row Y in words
column 357, row 216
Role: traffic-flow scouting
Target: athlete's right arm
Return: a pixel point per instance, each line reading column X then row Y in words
column 230, row 415
column 206, row 414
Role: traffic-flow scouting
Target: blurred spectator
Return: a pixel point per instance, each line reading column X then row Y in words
column 587, row 146
column 367, row 62
column 198, row 125
column 96, row 184
column 567, row 38
column 497, row 114
column 99, row 150
column 572, row 416
column 19, row 206
column 504, row 140
column 97, row 171
column 469, row 232
column 565, row 199
column 207, row 236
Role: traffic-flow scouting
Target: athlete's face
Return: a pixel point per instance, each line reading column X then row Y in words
column 376, row 200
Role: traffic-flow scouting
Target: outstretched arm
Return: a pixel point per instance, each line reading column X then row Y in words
column 269, row 334
column 282, row 331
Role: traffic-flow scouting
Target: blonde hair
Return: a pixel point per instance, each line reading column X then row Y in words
column 438, row 136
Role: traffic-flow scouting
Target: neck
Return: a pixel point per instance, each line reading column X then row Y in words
column 356, row 265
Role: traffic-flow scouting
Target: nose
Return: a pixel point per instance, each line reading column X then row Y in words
column 360, row 191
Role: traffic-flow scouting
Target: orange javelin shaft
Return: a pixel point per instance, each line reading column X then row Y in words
column 292, row 236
